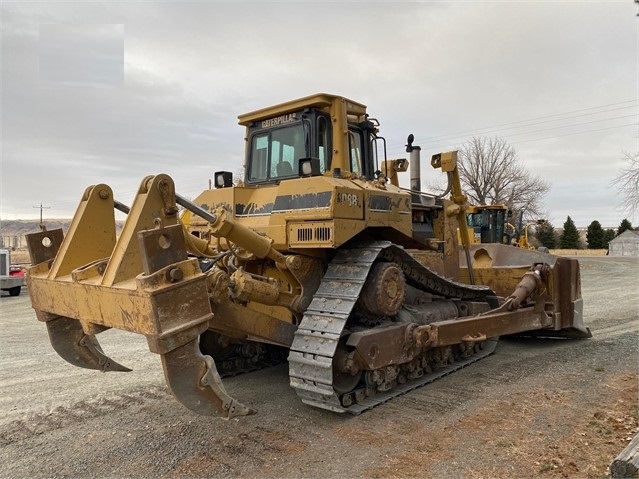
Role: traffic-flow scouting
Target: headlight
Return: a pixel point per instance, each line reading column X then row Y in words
column 309, row 167
column 223, row 179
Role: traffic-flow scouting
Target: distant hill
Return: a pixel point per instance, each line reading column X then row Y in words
column 22, row 227
column 12, row 231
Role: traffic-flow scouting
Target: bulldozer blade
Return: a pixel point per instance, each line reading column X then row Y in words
column 571, row 333
column 194, row 381
column 80, row 349
column 576, row 330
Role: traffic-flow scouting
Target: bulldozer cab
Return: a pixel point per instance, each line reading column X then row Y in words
column 316, row 135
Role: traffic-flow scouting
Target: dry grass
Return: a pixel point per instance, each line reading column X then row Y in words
column 579, row 252
column 20, row 256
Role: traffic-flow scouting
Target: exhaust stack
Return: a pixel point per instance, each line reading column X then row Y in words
column 414, row 162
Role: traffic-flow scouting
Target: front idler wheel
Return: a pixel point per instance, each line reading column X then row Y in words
column 344, row 378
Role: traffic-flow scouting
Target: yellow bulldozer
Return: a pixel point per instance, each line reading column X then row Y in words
column 488, row 224
column 318, row 257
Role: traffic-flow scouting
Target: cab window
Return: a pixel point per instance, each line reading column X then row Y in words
column 355, row 150
column 323, row 143
column 274, row 153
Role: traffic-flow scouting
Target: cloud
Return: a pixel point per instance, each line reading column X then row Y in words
column 189, row 69
column 86, row 55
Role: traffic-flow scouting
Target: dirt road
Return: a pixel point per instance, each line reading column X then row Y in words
column 536, row 408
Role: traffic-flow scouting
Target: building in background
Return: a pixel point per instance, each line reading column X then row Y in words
column 626, row 244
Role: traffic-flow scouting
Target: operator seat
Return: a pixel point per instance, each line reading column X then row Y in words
column 284, row 168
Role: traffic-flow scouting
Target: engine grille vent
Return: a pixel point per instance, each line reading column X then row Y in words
column 323, row 234
column 311, row 234
column 305, row 234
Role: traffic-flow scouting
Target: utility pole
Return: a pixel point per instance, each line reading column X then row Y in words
column 41, row 208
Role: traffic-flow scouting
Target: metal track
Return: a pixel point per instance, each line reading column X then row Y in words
column 382, row 397
column 315, row 342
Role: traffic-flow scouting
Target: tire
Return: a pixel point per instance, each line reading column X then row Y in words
column 15, row 291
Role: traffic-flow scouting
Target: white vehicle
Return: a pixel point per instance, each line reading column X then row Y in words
column 11, row 277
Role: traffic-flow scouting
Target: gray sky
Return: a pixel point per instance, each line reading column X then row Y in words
column 113, row 92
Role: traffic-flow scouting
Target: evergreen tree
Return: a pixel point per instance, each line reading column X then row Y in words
column 545, row 234
column 595, row 236
column 624, row 226
column 570, row 237
column 609, row 235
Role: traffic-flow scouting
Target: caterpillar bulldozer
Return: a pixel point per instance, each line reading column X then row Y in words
column 318, row 257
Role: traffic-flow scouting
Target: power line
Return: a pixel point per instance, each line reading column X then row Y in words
column 547, row 129
column 543, row 117
column 450, row 146
column 527, row 123
column 571, row 125
column 577, row 133
column 550, row 121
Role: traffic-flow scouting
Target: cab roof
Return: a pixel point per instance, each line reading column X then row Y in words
column 318, row 100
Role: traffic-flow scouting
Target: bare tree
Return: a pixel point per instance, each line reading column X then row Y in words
column 492, row 174
column 238, row 177
column 628, row 183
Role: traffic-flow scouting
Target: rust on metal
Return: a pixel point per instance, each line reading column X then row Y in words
column 161, row 247
column 371, row 349
column 384, row 290
column 44, row 245
column 74, row 346
column 195, row 382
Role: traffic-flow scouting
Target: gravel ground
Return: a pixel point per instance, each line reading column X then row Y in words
column 536, row 408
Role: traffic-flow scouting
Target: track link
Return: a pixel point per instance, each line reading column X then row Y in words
column 316, row 340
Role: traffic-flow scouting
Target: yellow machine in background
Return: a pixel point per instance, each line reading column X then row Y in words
column 318, row 258
column 489, row 224
column 523, row 235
